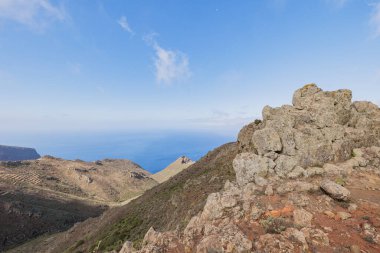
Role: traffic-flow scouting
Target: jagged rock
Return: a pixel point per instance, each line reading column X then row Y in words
column 245, row 136
column 249, row 165
column 335, row 190
column 266, row 140
column 213, row 208
column 127, row 247
column 295, row 235
column 301, row 96
column 284, row 165
column 296, row 172
column 313, row 171
column 298, row 186
column 316, row 237
column 271, row 243
column 302, row 218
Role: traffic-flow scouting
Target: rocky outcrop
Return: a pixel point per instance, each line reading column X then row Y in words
column 320, row 127
column 9, row 153
column 290, row 173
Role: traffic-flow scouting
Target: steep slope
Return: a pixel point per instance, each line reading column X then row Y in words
column 166, row 206
column 50, row 195
column 307, row 180
column 174, row 168
column 9, row 153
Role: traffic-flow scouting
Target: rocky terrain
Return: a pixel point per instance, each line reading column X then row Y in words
column 307, row 180
column 9, row 153
column 50, row 195
column 174, row 168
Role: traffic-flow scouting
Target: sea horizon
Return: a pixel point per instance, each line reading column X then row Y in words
column 152, row 150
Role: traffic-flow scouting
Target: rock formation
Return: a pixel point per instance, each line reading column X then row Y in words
column 291, row 177
column 9, row 153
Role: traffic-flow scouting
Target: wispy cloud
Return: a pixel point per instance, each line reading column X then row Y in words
column 123, row 22
column 36, row 14
column 375, row 19
column 170, row 66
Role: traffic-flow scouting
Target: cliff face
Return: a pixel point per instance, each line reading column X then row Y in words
column 304, row 174
column 9, row 153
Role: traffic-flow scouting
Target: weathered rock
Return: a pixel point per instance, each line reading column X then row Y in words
column 330, row 214
column 335, row 190
column 249, row 165
column 127, row 247
column 355, row 248
column 302, row 218
column 296, row 186
column 270, row 243
column 298, row 171
column 266, row 140
column 314, row 171
column 343, row 215
column 295, row 235
column 245, row 136
column 284, row 165
column 316, row 237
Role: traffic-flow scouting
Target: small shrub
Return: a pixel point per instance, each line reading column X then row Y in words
column 275, row 225
column 369, row 239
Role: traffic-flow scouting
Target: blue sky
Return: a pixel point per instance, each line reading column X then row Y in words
column 106, row 65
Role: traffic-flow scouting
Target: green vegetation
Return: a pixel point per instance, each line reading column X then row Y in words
column 275, row 225
column 340, row 181
column 75, row 246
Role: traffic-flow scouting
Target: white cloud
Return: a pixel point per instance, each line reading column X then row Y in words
column 33, row 13
column 375, row 19
column 125, row 25
column 170, row 65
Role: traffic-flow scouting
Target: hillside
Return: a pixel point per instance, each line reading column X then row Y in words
column 174, row 168
column 9, row 153
column 52, row 194
column 307, row 180
column 166, row 206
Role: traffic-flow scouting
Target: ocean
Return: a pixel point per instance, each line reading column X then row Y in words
column 151, row 150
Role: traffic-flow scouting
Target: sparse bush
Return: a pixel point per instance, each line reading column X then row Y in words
column 275, row 225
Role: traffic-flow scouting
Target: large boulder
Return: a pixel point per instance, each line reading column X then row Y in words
column 335, row 190
column 266, row 140
column 248, row 166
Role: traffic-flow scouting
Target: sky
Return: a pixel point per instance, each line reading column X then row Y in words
column 110, row 65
